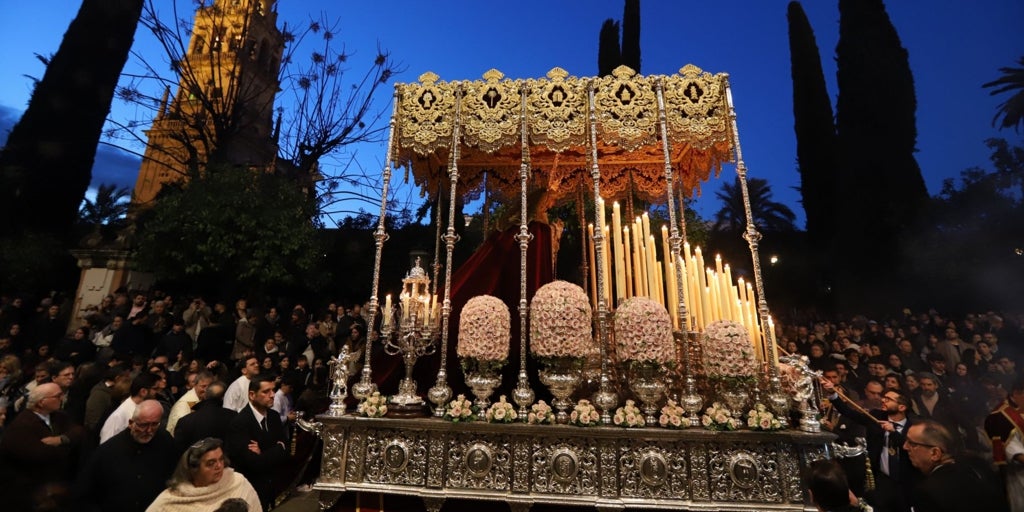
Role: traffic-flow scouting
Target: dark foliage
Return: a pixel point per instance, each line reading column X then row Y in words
column 608, row 55
column 631, row 35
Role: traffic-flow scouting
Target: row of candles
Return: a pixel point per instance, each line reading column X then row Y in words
column 632, row 268
column 425, row 307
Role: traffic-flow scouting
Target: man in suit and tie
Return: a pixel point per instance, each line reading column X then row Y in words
column 886, row 430
column 256, row 441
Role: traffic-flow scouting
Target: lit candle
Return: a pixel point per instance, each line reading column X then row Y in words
column 620, row 267
column 646, row 221
column 729, row 297
column 673, row 301
column 652, row 272
column 640, row 268
column 771, row 339
column 628, row 257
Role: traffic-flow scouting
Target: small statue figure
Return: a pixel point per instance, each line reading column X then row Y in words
column 339, row 380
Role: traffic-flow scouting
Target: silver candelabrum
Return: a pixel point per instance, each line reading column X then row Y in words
column 411, row 330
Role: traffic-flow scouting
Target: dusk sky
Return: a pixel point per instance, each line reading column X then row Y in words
column 954, row 46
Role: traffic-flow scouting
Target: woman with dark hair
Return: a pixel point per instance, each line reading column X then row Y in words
column 202, row 481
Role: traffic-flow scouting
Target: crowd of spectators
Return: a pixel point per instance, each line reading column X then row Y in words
column 203, row 395
column 882, row 378
column 156, row 403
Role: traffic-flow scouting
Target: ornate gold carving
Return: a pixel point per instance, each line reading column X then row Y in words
column 556, row 111
column 425, row 114
column 556, row 117
column 627, row 110
column 490, row 112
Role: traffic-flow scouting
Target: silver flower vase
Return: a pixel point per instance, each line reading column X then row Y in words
column 482, row 384
column 562, row 375
column 648, row 384
column 735, row 399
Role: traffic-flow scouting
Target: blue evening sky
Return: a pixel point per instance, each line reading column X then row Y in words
column 954, row 46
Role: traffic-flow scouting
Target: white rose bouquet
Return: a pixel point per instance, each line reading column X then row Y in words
column 484, row 333
column 584, row 414
column 717, row 417
column 560, row 322
column 628, row 415
column 643, row 332
column 540, row 414
column 672, row 415
column 373, row 406
column 460, row 409
column 501, row 412
column 760, row 418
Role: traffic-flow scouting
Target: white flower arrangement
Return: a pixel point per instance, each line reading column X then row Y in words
column 727, row 352
column 501, row 412
column 540, row 414
column 717, row 417
column 628, row 416
column 643, row 332
column 560, row 322
column 373, row 406
column 460, row 409
column 484, row 332
column 760, row 418
column 672, row 415
column 584, row 414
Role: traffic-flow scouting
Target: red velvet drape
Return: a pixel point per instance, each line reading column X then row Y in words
column 493, row 269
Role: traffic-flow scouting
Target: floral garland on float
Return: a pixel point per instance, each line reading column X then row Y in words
column 561, row 337
column 729, row 363
column 643, row 340
column 373, row 406
column 484, row 333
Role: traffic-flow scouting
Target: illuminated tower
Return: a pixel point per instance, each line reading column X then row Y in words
column 223, row 109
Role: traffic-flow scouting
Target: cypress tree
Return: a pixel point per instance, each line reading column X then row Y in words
column 815, row 137
column 883, row 190
column 46, row 165
column 608, row 55
column 631, row 35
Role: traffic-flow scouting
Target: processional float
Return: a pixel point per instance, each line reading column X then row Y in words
column 588, row 140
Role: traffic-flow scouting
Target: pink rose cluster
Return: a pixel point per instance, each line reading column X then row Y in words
column 584, row 414
column 460, row 409
column 501, row 412
column 560, row 321
column 643, row 332
column 484, row 329
column 727, row 351
column 540, row 414
column 672, row 415
column 628, row 415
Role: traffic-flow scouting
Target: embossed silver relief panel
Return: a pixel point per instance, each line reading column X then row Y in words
column 566, row 468
column 396, row 457
column 744, row 472
column 477, row 463
column 653, row 470
column 334, row 449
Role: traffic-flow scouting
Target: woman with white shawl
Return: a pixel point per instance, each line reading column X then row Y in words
column 202, row 482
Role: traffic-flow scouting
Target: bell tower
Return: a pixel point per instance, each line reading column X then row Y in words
column 223, row 110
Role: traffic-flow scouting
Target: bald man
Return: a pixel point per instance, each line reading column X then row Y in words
column 127, row 472
column 38, row 451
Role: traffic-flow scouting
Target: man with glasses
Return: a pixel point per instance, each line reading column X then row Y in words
column 894, row 475
column 130, row 470
column 38, row 452
column 144, row 386
column 948, row 485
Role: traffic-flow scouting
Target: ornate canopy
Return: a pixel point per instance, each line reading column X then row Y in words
column 491, row 114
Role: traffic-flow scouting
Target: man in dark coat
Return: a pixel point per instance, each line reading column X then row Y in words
column 886, row 428
column 208, row 418
column 256, row 441
column 126, row 473
column 38, row 452
column 948, row 485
